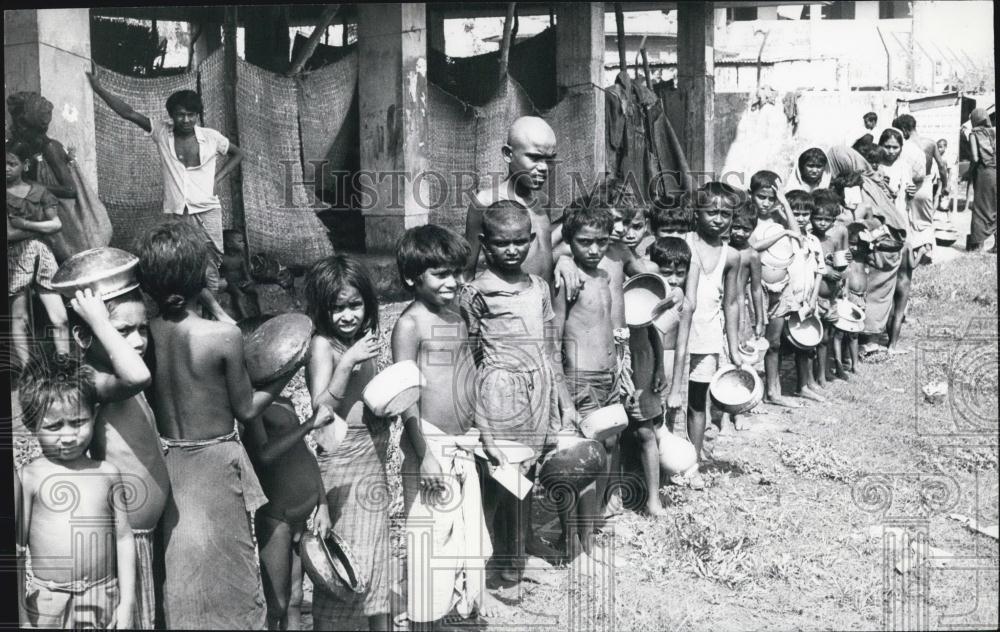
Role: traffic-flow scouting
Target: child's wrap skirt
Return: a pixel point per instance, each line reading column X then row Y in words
column 212, row 573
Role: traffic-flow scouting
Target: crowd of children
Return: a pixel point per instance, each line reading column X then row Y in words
column 193, row 486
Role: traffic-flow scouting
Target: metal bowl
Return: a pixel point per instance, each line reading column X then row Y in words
column 575, row 461
column 804, row 333
column 394, row 389
column 108, row 272
column 735, row 391
column 278, row 347
column 643, row 293
column 331, row 565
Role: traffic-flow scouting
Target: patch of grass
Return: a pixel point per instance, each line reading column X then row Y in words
column 816, row 460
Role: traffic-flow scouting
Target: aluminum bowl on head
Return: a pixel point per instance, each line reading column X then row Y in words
column 605, row 422
column 394, row 389
column 642, row 294
column 331, row 566
column 277, row 347
column 735, row 391
column 677, row 455
column 804, row 333
column 108, row 272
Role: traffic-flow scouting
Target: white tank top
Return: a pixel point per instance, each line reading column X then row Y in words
column 707, row 323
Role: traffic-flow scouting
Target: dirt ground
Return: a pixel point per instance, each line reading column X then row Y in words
column 846, row 515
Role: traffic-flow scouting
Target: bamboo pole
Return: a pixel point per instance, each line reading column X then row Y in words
column 620, row 27
column 324, row 22
column 508, row 25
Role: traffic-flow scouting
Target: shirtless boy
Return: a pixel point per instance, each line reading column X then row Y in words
column 72, row 519
column 200, row 385
column 832, row 237
column 431, row 332
column 113, row 335
column 590, row 360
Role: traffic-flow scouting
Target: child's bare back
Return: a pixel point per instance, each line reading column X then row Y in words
column 199, row 377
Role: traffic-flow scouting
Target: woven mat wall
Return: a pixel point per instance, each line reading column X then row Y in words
column 129, row 176
column 280, row 213
column 217, row 116
column 328, row 118
column 466, row 140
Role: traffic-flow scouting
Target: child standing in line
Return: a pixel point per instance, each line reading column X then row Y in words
column 341, row 301
column 97, row 588
column 113, row 335
column 32, row 212
column 716, row 316
column 508, row 313
column 832, row 237
column 670, row 218
column 753, row 318
column 200, row 391
column 291, row 480
column 447, row 547
column 672, row 256
column 805, row 274
column 857, row 289
column 589, row 360
column 773, row 234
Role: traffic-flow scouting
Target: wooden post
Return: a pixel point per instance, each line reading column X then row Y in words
column 620, row 36
column 232, row 129
column 324, row 22
column 696, row 82
column 392, row 95
column 508, row 24
column 580, row 69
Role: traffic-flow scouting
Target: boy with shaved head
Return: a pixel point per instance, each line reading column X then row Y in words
column 531, row 145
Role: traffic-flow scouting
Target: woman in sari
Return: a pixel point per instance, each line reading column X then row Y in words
column 882, row 265
column 983, row 146
column 811, row 172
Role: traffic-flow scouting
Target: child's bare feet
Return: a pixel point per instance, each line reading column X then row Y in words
column 807, row 392
column 778, row 400
column 536, row 571
column 491, row 607
column 583, row 565
column 654, row 509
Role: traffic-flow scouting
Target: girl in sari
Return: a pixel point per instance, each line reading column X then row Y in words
column 811, row 172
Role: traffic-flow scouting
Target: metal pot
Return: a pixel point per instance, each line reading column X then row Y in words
column 108, row 272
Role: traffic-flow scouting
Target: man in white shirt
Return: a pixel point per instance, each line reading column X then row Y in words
column 188, row 154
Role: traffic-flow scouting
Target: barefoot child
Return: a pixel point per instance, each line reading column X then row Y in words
column 508, row 313
column 341, row 301
column 672, row 256
column 801, row 295
column 589, row 358
column 772, row 234
column 293, row 485
column 832, row 237
column 200, row 386
column 446, row 573
column 753, row 319
column 716, row 315
column 32, row 213
column 857, row 286
column 69, row 584
column 113, row 335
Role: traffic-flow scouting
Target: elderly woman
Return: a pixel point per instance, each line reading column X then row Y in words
column 883, row 264
column 983, row 167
